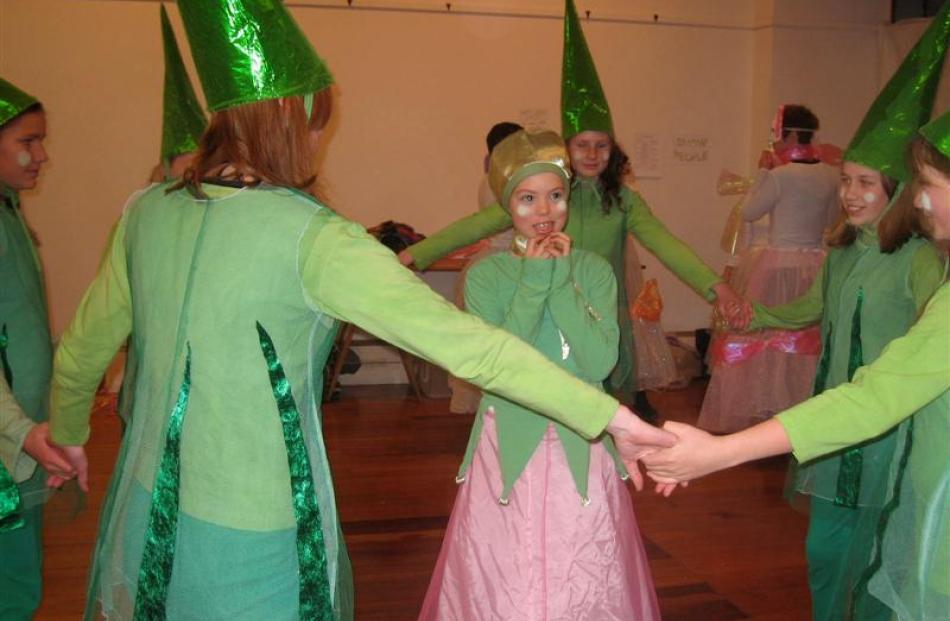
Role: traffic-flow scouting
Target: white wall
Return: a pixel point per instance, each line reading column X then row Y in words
column 417, row 89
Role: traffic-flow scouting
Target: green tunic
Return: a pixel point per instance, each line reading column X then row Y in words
column 892, row 288
column 232, row 305
column 864, row 299
column 598, row 232
column 563, row 307
column 25, row 363
column 910, row 377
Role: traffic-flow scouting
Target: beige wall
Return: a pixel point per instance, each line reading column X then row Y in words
column 418, row 89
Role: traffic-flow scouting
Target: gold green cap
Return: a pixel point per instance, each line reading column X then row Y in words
column 583, row 104
column 904, row 105
column 13, row 101
column 523, row 154
column 183, row 121
column 250, row 50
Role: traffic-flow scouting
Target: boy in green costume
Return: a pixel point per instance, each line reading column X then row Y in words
column 230, row 284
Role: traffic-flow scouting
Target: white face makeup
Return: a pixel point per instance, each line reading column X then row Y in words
column 862, row 194
column 535, row 205
column 590, row 152
column 21, row 150
column 932, row 197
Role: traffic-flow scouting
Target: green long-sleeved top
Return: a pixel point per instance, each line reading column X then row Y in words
column 595, row 231
column 14, row 427
column 25, row 344
column 911, row 377
column 863, row 298
column 564, row 308
column 182, row 271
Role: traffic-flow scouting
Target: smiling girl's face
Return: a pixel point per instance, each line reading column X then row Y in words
column 538, row 205
column 862, row 194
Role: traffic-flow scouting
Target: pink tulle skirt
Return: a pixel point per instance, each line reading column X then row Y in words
column 759, row 374
column 546, row 555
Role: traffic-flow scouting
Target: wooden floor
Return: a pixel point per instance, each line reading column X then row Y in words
column 728, row 547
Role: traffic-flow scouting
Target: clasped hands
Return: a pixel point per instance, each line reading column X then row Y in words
column 673, row 455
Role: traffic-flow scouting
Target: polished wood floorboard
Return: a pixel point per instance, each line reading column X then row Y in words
column 728, row 547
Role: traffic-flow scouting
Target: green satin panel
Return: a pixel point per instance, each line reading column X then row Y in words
column 316, row 600
column 158, row 558
column 9, row 502
column 852, row 461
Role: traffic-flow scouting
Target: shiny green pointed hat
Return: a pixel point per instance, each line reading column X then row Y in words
column 904, row 105
column 183, row 121
column 13, row 101
column 250, row 50
column 937, row 133
column 583, row 105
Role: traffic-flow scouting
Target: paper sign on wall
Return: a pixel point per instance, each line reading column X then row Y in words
column 690, row 149
column 644, row 152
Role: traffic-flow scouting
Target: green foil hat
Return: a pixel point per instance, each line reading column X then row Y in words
column 250, row 50
column 523, row 154
column 583, row 105
column 182, row 118
column 937, row 133
column 904, row 105
column 13, row 101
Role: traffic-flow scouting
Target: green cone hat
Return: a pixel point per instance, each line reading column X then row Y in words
column 583, row 105
column 182, row 118
column 904, row 105
column 250, row 50
column 937, row 133
column 13, row 101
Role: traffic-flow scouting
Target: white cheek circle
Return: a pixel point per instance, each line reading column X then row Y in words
column 869, row 197
column 925, row 203
column 23, row 159
column 523, row 210
column 561, row 206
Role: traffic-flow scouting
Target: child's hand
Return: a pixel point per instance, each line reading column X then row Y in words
column 559, row 244
column 695, row 454
column 538, row 249
column 52, row 459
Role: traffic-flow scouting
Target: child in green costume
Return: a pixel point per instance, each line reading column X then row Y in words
column 602, row 209
column 907, row 386
column 542, row 526
column 871, row 288
column 25, row 358
column 230, row 284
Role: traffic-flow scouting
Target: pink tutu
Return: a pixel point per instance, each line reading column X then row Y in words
column 759, row 374
column 546, row 555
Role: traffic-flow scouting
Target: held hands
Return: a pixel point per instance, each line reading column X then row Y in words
column 76, row 455
column 736, row 311
column 635, row 439
column 696, row 453
column 50, row 457
column 549, row 247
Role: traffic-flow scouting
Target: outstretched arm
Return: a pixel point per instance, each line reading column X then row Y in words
column 488, row 221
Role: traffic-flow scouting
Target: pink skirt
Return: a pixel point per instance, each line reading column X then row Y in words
column 546, row 555
column 759, row 374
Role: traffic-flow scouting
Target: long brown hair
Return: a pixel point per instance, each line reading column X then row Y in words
column 263, row 142
column 899, row 224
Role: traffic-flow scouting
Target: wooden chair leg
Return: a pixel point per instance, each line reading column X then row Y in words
column 346, row 337
column 410, row 373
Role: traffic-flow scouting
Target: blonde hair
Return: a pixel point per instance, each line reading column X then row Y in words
column 262, row 142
